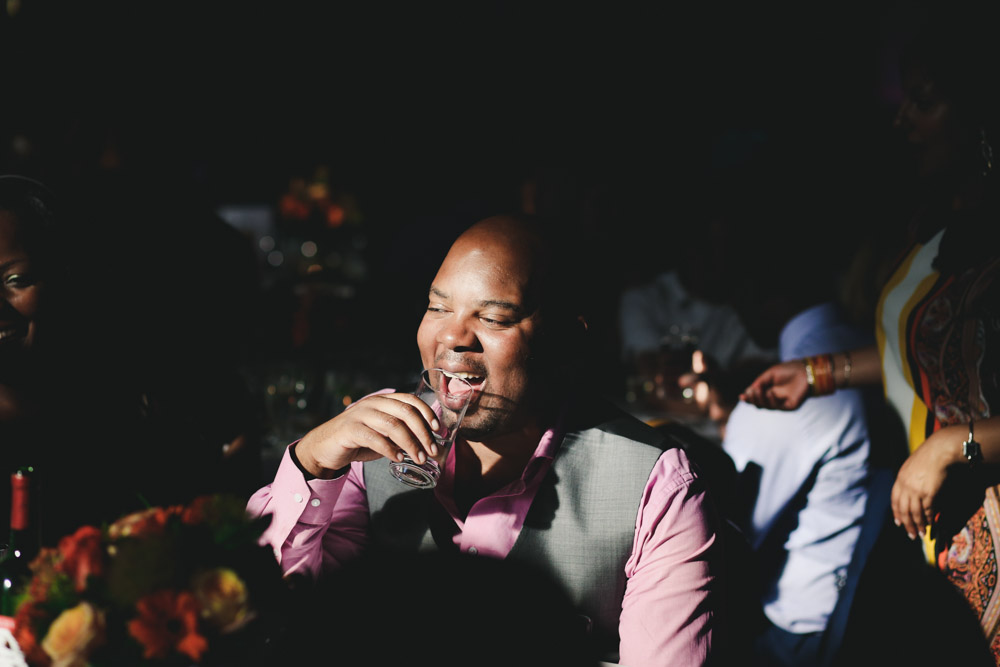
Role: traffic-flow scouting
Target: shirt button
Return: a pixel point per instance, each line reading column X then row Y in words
column 473, row 550
column 297, row 497
column 314, row 502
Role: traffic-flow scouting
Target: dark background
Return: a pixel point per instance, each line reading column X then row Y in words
column 149, row 117
column 416, row 104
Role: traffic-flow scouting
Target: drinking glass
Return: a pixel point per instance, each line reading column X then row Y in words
column 449, row 397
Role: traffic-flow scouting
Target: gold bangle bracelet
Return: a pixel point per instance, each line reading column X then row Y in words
column 810, row 375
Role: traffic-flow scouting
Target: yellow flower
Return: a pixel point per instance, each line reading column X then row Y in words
column 73, row 634
column 222, row 596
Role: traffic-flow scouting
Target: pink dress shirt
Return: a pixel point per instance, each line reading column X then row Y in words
column 667, row 613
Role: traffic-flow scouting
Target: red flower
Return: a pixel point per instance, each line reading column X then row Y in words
column 82, row 555
column 168, row 620
column 24, row 633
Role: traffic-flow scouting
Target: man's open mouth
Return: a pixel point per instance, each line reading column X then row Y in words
column 460, row 383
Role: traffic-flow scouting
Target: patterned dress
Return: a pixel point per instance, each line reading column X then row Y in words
column 939, row 341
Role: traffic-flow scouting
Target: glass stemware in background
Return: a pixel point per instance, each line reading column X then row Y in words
column 449, row 397
column 674, row 359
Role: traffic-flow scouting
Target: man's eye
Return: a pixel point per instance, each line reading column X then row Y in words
column 495, row 322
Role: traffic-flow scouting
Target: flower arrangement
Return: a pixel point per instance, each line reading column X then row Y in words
column 178, row 585
column 315, row 199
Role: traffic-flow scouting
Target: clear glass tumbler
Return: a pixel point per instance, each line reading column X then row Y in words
column 448, row 396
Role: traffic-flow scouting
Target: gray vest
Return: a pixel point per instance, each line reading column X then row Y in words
column 581, row 524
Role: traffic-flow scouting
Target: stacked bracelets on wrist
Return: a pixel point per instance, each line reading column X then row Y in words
column 819, row 374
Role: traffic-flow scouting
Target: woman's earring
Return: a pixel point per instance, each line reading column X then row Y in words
column 986, row 151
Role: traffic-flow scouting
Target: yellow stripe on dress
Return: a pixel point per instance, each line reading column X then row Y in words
column 906, row 287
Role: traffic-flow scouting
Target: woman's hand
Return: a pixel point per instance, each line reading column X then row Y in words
column 783, row 386
column 919, row 480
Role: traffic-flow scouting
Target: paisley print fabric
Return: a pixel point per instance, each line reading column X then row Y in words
column 939, row 337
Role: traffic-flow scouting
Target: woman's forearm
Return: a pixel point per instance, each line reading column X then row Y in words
column 858, row 367
column 950, row 441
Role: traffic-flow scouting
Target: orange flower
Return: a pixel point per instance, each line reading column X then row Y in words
column 334, row 215
column 197, row 511
column 73, row 634
column 223, row 598
column 82, row 555
column 293, row 207
column 24, row 621
column 168, row 620
column 144, row 522
column 138, row 523
column 43, row 573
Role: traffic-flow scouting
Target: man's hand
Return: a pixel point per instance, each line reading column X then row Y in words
column 783, row 386
column 381, row 425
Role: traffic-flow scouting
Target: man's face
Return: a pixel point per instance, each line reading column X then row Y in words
column 482, row 319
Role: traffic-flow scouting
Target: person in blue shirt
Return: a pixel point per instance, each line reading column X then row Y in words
column 802, row 477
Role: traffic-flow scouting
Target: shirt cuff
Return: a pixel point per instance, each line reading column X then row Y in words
column 340, row 472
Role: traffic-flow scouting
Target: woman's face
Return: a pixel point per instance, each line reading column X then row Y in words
column 21, row 290
column 932, row 127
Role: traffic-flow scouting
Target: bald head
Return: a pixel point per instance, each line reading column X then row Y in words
column 516, row 248
column 519, row 236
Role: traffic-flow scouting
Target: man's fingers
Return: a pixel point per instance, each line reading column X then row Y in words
column 401, row 422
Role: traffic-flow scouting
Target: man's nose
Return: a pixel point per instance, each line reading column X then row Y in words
column 456, row 334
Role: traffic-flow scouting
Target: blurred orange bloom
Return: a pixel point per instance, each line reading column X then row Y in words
column 24, row 634
column 168, row 620
column 82, row 555
column 144, row 522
